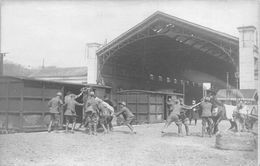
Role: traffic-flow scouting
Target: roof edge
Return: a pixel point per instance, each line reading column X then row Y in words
column 222, row 34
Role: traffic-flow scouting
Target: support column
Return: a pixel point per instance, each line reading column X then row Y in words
column 92, row 62
column 248, row 57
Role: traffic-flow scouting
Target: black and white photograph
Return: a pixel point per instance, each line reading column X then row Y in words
column 129, row 82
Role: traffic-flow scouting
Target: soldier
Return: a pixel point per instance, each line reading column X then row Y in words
column 194, row 113
column 110, row 118
column 105, row 114
column 206, row 107
column 169, row 103
column 177, row 115
column 84, row 99
column 127, row 115
column 183, row 116
column 70, row 113
column 91, row 113
column 69, row 95
column 55, row 107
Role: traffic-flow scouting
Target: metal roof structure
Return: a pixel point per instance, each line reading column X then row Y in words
column 192, row 37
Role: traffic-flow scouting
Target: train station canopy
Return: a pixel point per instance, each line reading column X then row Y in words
column 164, row 44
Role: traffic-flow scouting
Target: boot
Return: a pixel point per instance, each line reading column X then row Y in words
column 203, row 131
column 180, row 131
column 56, row 126
column 187, row 130
column 95, row 129
column 90, row 129
column 49, row 128
column 73, row 127
column 164, row 127
column 104, row 127
column 210, row 130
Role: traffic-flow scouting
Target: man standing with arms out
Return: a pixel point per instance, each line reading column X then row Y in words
column 128, row 116
column 70, row 113
column 55, row 107
column 91, row 114
column 175, row 116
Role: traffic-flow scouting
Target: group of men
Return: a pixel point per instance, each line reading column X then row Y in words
column 179, row 113
column 239, row 117
column 95, row 111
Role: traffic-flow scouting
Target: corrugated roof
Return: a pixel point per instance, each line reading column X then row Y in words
column 157, row 15
column 57, row 82
column 61, row 72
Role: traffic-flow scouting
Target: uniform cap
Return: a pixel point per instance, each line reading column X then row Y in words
column 92, row 93
column 122, row 103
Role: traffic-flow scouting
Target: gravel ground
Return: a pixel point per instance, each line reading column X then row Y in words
column 120, row 148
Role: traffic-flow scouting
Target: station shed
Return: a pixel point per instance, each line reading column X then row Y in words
column 166, row 52
column 24, row 102
column 147, row 106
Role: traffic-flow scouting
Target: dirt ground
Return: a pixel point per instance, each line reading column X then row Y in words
column 120, row 148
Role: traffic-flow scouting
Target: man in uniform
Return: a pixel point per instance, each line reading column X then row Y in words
column 69, row 95
column 70, row 113
column 110, row 118
column 206, row 107
column 85, row 98
column 194, row 113
column 55, row 107
column 91, row 113
column 105, row 114
column 183, row 116
column 177, row 115
column 127, row 115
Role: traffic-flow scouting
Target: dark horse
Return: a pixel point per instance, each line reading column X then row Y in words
column 218, row 113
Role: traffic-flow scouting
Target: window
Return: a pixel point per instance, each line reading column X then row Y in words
column 160, row 78
column 168, row 80
column 175, row 81
column 151, row 77
column 256, row 68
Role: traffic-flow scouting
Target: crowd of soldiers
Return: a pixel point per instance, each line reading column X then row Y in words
column 95, row 111
column 181, row 114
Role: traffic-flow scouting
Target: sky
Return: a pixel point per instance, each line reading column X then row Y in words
column 57, row 31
